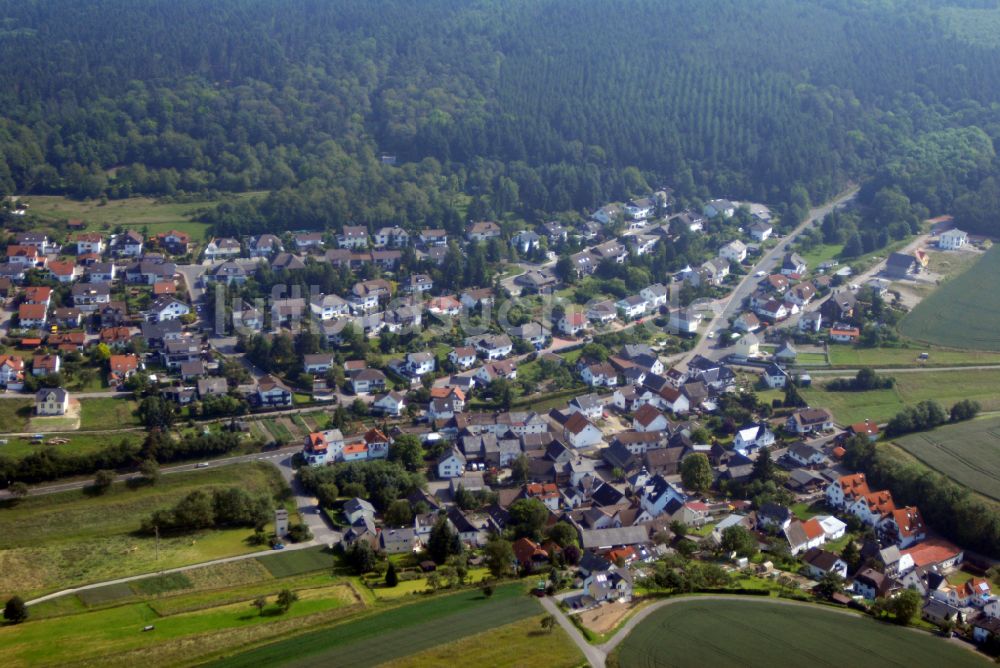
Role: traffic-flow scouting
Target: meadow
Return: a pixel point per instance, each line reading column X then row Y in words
column 967, row 452
column 71, row 538
column 945, row 387
column 962, row 312
column 765, row 634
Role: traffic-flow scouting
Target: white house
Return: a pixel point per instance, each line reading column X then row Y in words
column 655, row 295
column 166, row 308
column 572, row 323
column 328, row 307
column 391, row 403
column 656, row 494
column 684, row 321
column 463, row 357
column 51, row 401
column 639, row 209
column 953, row 240
column 222, row 249
column 747, row 346
column 734, row 251
column 581, row 432
column 599, row 375
column 753, row 437
column 451, row 464
column 648, row 418
column 418, row 364
column 820, row 562
column 720, row 207
column 632, row 307
column 761, row 231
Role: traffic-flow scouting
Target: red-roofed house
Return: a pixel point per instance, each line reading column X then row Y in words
column 842, row 492
column 867, row 428
column 904, row 526
column 120, row 367
column 935, row 552
column 31, row 316
column 581, row 432
column 529, row 554
column 11, row 372
column 873, row 508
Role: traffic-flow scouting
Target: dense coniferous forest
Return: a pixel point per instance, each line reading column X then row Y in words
column 529, row 106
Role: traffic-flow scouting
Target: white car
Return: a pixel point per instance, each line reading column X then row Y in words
column 710, row 335
column 760, row 273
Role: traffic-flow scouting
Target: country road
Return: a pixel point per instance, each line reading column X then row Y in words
column 734, row 302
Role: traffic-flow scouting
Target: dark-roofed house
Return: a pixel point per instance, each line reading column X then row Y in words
column 596, row 539
column 819, row 562
column 901, row 265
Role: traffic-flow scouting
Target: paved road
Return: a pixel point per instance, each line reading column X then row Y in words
column 110, row 393
column 595, row 656
column 852, row 371
column 192, row 274
column 731, row 305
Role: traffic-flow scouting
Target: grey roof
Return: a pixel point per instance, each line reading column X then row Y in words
column 595, row 538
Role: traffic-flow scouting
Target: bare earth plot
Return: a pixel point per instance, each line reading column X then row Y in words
column 968, row 453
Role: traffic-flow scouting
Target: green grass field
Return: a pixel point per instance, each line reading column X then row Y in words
column 109, row 633
column 109, row 413
column 763, row 634
column 967, row 452
column 70, row 538
column 297, row 562
column 396, row 633
column 78, row 443
column 849, row 357
column 14, row 415
column 962, row 312
column 945, row 387
column 522, row 643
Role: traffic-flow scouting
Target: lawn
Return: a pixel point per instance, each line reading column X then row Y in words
column 967, row 452
column 759, row 633
column 295, row 562
column 945, row 387
column 396, row 633
column 109, row 413
column 115, row 630
column 962, row 312
column 71, row 538
column 522, row 643
column 14, row 415
column 810, row 359
column 821, row 253
column 851, row 358
column 78, row 443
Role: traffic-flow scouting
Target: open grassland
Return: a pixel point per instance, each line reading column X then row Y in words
column 396, row 633
column 108, row 413
column 962, row 313
column 768, row 634
column 14, row 415
column 285, row 564
column 945, row 387
column 139, row 212
column 967, row 452
column 522, row 643
column 71, row 538
column 113, row 633
column 851, row 358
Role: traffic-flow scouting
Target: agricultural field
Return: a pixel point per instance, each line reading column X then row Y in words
column 767, row 634
column 967, row 452
column 852, row 358
column 109, row 413
column 397, row 632
column 962, row 312
column 71, row 538
column 285, row 564
column 522, row 643
column 945, row 387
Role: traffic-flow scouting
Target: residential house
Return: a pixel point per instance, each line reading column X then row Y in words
column 390, row 403
column 433, row 237
column 493, row 370
column 810, row 420
column 573, row 323
column 328, row 307
column 419, row 364
column 11, row 372
column 601, row 374
column 842, row 333
column 537, row 281
column 642, row 244
column 451, row 464
column 609, row 585
column 602, row 312
column 841, row 493
column 305, row 241
column 581, row 432
column 482, row 231
column 101, row 272
column 32, row 316
column 801, row 294
column 367, row 381
column 684, row 321
column 89, row 242
column 793, row 265
column 805, row 454
column 265, row 245
column 640, row 209
column 870, row 584
column 734, row 251
column 525, row 241
column 419, row 283
column 63, row 271
column 655, row 295
column 353, row 237
column 608, row 214
column 174, row 242
column 632, row 307
column 803, row 536
column 45, row 365
column 89, row 297
column 463, row 357
column 839, row 306
column 394, row 237
column 953, row 239
column 491, row 346
column 51, row 401
column 775, row 377
column 719, row 207
column 746, row 322
column 774, row 515
column 761, row 231
column 532, row 332
column 647, row 418
column 819, row 563
column 657, row 495
column 166, row 308
column 811, row 322
column 752, row 437
column 590, row 405
column 318, row 363
column 867, row 428
column 272, row 393
column 747, row 346
column 120, row 368
column 222, row 248
column 901, row 265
